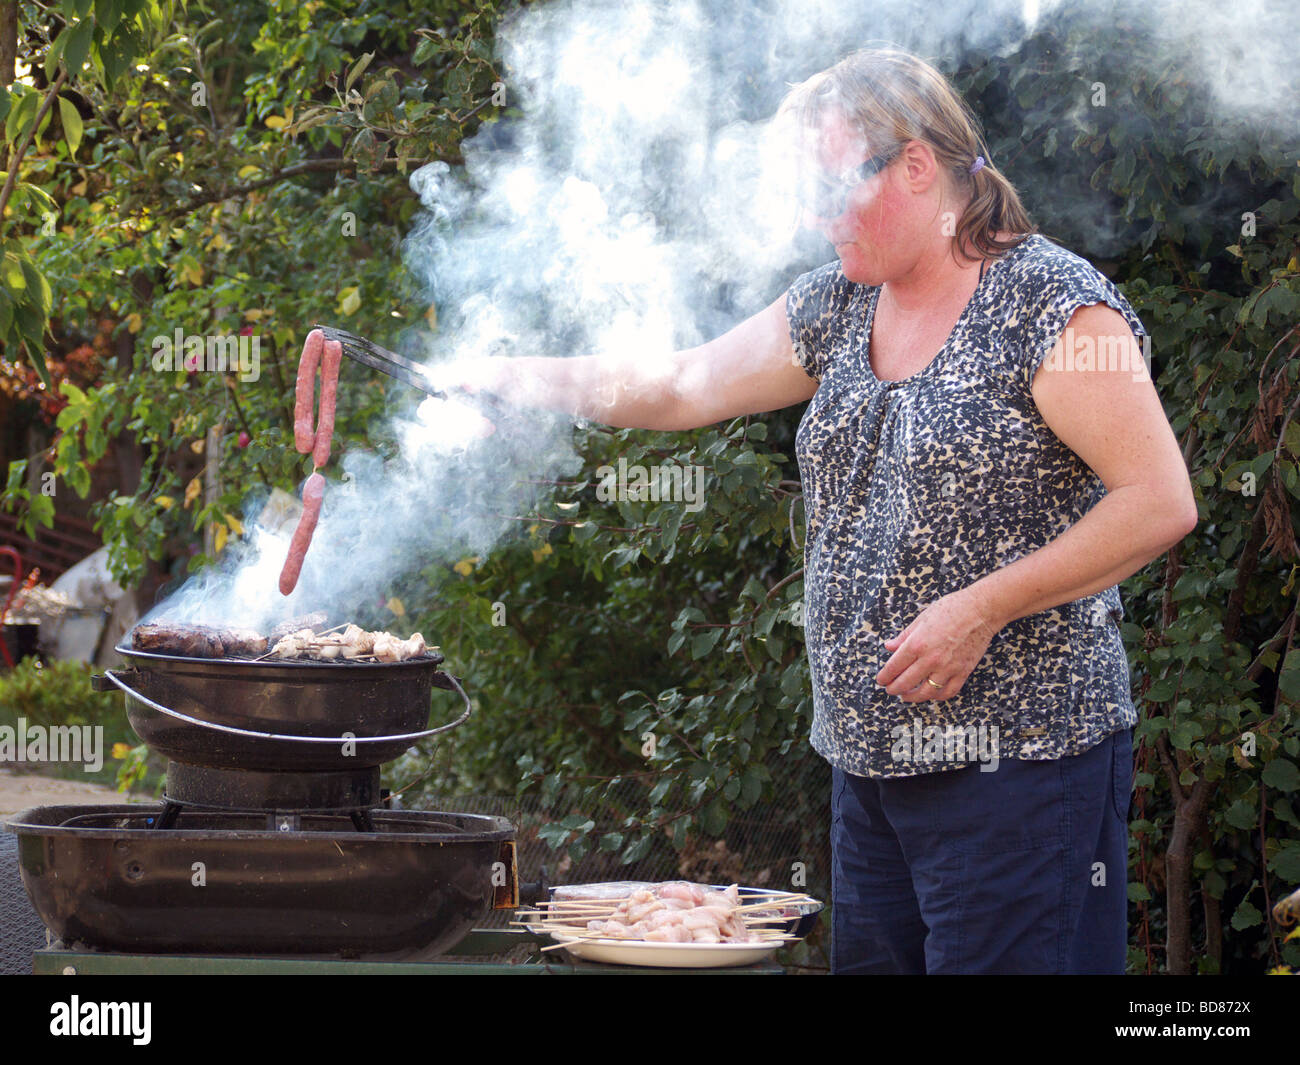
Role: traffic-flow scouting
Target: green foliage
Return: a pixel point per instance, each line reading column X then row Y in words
column 110, row 34
column 59, row 693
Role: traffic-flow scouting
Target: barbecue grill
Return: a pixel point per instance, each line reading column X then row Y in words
column 272, row 837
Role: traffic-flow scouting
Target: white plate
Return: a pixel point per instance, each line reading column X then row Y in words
column 666, row 955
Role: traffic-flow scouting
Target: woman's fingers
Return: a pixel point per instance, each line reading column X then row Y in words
column 926, row 692
column 943, row 644
column 900, row 672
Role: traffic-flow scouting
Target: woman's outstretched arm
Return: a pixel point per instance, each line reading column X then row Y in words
column 748, row 370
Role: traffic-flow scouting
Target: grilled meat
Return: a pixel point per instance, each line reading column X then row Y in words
column 198, row 641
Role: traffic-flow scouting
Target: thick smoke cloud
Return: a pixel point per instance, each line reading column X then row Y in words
column 642, row 203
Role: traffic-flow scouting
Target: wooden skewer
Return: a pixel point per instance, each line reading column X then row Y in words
column 776, row 904
column 582, row 902
column 784, row 896
column 762, row 940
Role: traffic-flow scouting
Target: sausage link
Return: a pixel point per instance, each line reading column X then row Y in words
column 313, row 494
column 304, row 396
column 329, row 394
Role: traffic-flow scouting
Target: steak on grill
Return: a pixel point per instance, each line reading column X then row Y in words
column 198, row 641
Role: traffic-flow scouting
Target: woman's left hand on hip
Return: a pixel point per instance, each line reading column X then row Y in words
column 942, row 646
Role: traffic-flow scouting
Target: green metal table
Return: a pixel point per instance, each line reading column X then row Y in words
column 472, row 956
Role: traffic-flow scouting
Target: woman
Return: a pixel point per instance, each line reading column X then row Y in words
column 971, row 505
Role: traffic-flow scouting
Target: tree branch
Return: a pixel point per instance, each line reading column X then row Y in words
column 307, row 166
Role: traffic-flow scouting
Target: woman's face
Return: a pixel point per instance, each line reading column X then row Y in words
column 879, row 232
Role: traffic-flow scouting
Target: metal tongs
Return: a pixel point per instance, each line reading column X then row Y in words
column 368, row 353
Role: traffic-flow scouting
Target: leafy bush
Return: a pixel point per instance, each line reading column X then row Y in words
column 59, row 693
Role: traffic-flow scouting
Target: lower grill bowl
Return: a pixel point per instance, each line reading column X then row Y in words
column 226, row 883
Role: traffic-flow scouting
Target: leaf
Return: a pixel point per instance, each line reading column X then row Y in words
column 54, row 54
column 1183, row 734
column 38, row 363
column 36, row 283
column 192, row 491
column 1286, row 863
column 713, row 818
column 349, row 300
column 424, row 51
column 1241, row 814
column 78, row 46
column 72, row 125
column 21, row 115
column 43, row 510
column 1288, row 681
column 358, row 68
column 1246, row 916
column 638, row 850
column 702, row 644
column 11, row 268
column 1281, row 775
column 108, row 13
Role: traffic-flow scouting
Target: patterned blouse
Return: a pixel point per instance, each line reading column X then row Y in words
column 917, row 488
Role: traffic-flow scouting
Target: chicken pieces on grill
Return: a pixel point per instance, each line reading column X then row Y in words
column 354, row 642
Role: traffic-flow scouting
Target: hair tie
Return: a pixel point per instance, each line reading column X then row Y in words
column 977, row 165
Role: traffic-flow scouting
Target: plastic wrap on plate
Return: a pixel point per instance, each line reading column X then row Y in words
column 614, row 889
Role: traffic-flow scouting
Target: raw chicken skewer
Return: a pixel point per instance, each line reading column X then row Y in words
column 673, row 912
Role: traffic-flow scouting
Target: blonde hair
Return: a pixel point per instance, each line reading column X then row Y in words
column 891, row 97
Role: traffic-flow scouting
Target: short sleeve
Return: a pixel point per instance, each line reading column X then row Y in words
column 814, row 307
column 1068, row 282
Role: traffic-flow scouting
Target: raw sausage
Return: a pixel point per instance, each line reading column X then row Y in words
column 313, row 494
column 329, row 394
column 304, row 434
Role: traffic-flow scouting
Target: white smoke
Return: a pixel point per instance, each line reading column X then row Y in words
column 641, row 202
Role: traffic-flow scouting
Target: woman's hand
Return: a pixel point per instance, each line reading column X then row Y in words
column 944, row 643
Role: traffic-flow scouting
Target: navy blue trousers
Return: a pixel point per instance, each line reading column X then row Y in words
column 1020, row 870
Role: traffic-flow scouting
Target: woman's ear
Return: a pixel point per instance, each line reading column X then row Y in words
column 918, row 167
